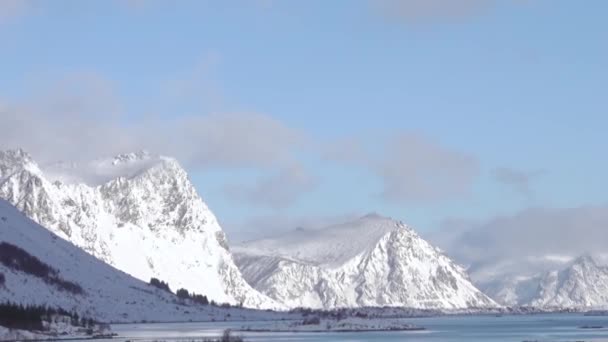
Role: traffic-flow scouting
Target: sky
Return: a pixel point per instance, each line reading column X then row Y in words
column 443, row 114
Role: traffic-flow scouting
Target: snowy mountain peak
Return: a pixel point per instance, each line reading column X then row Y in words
column 371, row 261
column 141, row 215
column 14, row 157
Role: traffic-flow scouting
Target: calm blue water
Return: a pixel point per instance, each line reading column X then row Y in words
column 554, row 327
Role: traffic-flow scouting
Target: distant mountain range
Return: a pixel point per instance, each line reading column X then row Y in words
column 580, row 283
column 140, row 213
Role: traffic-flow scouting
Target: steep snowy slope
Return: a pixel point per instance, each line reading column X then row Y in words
column 583, row 283
column 373, row 261
column 137, row 212
column 107, row 294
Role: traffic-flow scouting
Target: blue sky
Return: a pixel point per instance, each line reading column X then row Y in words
column 423, row 111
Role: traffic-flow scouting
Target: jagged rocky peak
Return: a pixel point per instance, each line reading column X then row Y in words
column 14, row 160
column 138, row 200
column 129, row 157
column 14, row 156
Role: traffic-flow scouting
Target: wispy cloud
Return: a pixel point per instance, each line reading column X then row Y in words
column 262, row 226
column 82, row 117
column 518, row 180
column 412, row 168
column 278, row 191
column 417, row 169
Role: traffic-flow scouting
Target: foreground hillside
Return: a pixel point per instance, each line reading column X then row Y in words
column 38, row 267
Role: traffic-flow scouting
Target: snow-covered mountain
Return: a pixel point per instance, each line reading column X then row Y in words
column 372, row 261
column 582, row 283
column 72, row 279
column 137, row 212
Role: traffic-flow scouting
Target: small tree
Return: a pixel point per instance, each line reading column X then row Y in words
column 160, row 284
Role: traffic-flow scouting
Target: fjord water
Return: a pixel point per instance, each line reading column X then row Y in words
column 547, row 327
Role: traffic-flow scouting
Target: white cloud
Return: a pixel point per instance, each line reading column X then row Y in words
column 534, row 232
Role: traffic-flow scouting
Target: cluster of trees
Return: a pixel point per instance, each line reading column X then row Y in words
column 197, row 298
column 181, row 293
column 31, row 317
column 18, row 259
column 160, row 284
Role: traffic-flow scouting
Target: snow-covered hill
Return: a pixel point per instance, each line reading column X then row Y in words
column 105, row 294
column 581, row 283
column 137, row 212
column 373, row 261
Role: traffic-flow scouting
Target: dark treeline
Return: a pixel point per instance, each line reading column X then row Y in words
column 181, row 293
column 200, row 299
column 31, row 317
column 18, row 259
